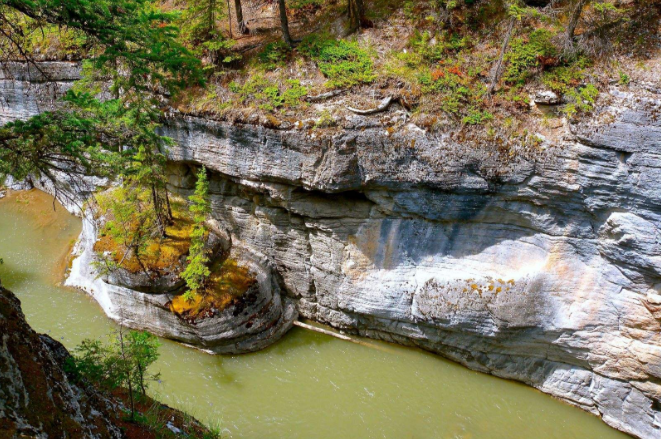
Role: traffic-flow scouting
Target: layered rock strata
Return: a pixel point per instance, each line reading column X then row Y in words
column 541, row 264
column 244, row 326
column 542, row 270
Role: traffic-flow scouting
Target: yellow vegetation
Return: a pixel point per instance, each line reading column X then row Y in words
column 228, row 281
column 161, row 253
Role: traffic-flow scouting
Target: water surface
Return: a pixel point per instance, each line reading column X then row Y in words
column 307, row 386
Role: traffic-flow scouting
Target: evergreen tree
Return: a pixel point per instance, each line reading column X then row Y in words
column 136, row 47
column 142, row 348
column 124, row 362
column 197, row 271
column 200, row 29
column 200, row 20
column 128, row 222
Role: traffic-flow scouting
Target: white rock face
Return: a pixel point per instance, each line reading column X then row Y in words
column 544, row 269
column 25, row 91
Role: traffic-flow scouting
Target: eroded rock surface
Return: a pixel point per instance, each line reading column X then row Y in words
column 242, row 327
column 25, row 91
column 36, row 397
column 544, row 268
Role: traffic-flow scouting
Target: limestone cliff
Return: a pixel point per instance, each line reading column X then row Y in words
column 542, row 266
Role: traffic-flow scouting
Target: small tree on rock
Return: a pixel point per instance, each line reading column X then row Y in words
column 197, row 271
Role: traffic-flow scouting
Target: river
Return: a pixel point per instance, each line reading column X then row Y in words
column 308, row 385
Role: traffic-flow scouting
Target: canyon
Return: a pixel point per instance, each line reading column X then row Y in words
column 540, row 265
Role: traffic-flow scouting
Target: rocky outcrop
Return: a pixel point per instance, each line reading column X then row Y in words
column 244, row 326
column 28, row 90
column 36, row 397
column 167, row 281
column 542, row 269
column 540, row 264
column 40, row 399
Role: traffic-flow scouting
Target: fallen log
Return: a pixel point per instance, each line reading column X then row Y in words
column 383, row 106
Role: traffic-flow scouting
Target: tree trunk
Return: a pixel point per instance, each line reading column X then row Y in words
column 499, row 66
column 128, row 371
column 356, row 13
column 169, row 207
column 243, row 29
column 211, row 24
column 158, row 210
column 573, row 22
column 229, row 18
column 141, row 376
column 284, row 23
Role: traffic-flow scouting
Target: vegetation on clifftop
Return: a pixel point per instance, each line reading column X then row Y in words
column 449, row 64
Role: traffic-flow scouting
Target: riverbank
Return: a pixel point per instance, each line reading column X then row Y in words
column 40, row 398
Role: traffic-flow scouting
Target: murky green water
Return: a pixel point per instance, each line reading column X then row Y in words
column 307, row 386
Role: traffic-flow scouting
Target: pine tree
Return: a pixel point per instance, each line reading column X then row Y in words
column 136, row 47
column 199, row 21
column 197, row 271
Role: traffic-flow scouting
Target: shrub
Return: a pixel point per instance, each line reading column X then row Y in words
column 477, row 117
column 526, row 55
column 343, row 62
column 437, row 49
column 456, row 89
column 581, row 100
column 565, row 78
column 274, row 55
column 268, row 95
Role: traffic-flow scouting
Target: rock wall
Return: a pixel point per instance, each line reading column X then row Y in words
column 36, row 397
column 28, row 90
column 542, row 266
column 544, row 271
